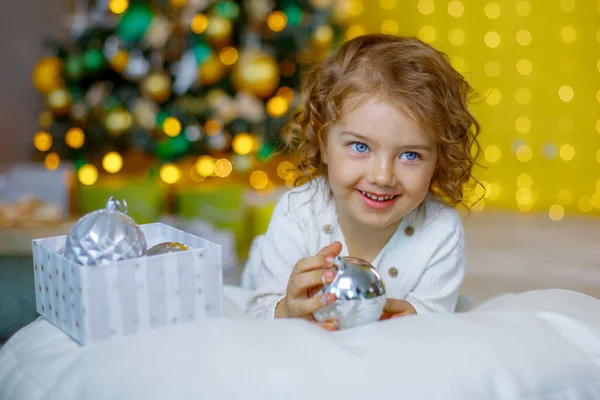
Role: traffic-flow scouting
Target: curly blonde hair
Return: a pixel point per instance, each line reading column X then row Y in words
column 392, row 69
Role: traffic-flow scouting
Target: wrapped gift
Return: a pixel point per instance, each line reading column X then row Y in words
column 100, row 302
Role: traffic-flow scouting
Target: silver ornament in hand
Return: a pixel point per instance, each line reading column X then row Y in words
column 359, row 291
column 105, row 236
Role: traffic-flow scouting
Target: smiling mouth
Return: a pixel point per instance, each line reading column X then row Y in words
column 377, row 197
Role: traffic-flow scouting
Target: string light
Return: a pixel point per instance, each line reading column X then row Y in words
column 456, row 36
column 492, row 10
column 566, row 93
column 524, row 66
column 87, row 174
column 172, row 126
column 524, row 153
column 51, row 161
column 242, row 143
column 557, row 212
column 524, row 37
column 492, row 68
column 277, row 106
column 229, row 55
column 493, row 153
column 388, row 4
column 493, row 97
column 205, row 165
column 389, row 27
column 567, row 152
column 523, row 8
column 568, row 34
column 354, row 31
column 523, row 125
column 223, row 168
column 170, row 173
column 112, row 162
column 523, row 96
column 277, row 20
column 585, row 204
column 118, row 6
column 456, row 8
column 492, row 39
column 199, row 23
column 427, row 34
column 258, row 179
column 74, row 138
column 42, row 141
column 426, row 6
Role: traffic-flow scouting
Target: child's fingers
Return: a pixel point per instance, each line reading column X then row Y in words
column 312, row 263
column 308, row 306
column 330, row 326
column 299, row 283
column 331, row 250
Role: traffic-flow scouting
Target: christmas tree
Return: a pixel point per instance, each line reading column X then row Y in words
column 166, row 80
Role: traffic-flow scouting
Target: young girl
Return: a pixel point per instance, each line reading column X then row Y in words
column 386, row 140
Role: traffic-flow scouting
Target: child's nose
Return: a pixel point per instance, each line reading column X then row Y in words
column 383, row 172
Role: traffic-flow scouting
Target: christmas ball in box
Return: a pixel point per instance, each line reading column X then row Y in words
column 105, row 236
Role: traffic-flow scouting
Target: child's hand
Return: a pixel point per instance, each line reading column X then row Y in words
column 306, row 279
column 397, row 308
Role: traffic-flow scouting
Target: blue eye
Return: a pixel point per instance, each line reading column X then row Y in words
column 409, row 156
column 360, row 147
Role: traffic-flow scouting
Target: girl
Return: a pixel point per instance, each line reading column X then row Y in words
column 386, row 140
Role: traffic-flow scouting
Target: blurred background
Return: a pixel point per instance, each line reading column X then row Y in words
column 176, row 106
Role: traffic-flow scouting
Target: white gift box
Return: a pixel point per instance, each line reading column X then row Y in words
column 96, row 303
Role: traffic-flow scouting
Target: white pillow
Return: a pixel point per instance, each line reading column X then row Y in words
column 536, row 345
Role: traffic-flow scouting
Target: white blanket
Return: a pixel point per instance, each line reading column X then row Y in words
column 535, row 345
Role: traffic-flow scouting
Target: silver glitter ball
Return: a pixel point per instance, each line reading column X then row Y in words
column 105, row 236
column 360, row 294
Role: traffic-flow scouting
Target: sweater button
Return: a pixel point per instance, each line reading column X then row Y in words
column 393, row 272
column 328, row 229
column 409, row 231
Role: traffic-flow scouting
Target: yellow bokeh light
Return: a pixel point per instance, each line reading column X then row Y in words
column 494, row 193
column 277, row 106
column 199, row 23
column 493, row 153
column 523, row 96
column 459, row 64
column 112, row 162
column 242, row 143
column 45, row 119
column 258, row 179
column 567, row 5
column 566, row 93
column 356, row 7
column 388, row 4
column 585, row 204
column 565, row 197
column 212, row 127
column 285, row 92
column 170, row 173
column 355, row 31
column 118, row 6
column 567, row 152
column 276, row 21
column 390, row 27
column 598, row 185
column 223, row 168
column 523, row 8
column 596, row 200
column 598, row 126
column 598, row 156
column 492, row 39
column 285, row 170
column 324, row 34
column 205, row 165
column 492, row 68
column 456, row 8
column 456, row 36
column 568, row 34
column 87, row 174
column 524, row 37
column 524, row 181
column 229, row 55
column 524, row 66
column 493, row 97
column 425, row 6
column 524, row 153
column 171, row 126
column 51, row 161
column 74, row 138
column 524, row 196
column 427, row 33
column 523, row 124
column 598, row 65
column 557, row 212
column 492, row 10
column 42, row 141
column 598, row 96
column 482, row 190
column 478, row 206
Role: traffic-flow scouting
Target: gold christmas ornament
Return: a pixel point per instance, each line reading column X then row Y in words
column 47, row 75
column 117, row 122
column 59, row 101
column 256, row 72
column 218, row 32
column 157, row 85
column 211, row 71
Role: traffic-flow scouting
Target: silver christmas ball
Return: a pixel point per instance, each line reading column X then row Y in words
column 166, row 247
column 105, row 236
column 360, row 294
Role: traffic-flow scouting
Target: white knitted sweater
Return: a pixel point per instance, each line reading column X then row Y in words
column 428, row 256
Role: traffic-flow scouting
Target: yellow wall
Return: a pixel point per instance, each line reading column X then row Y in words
column 541, row 115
